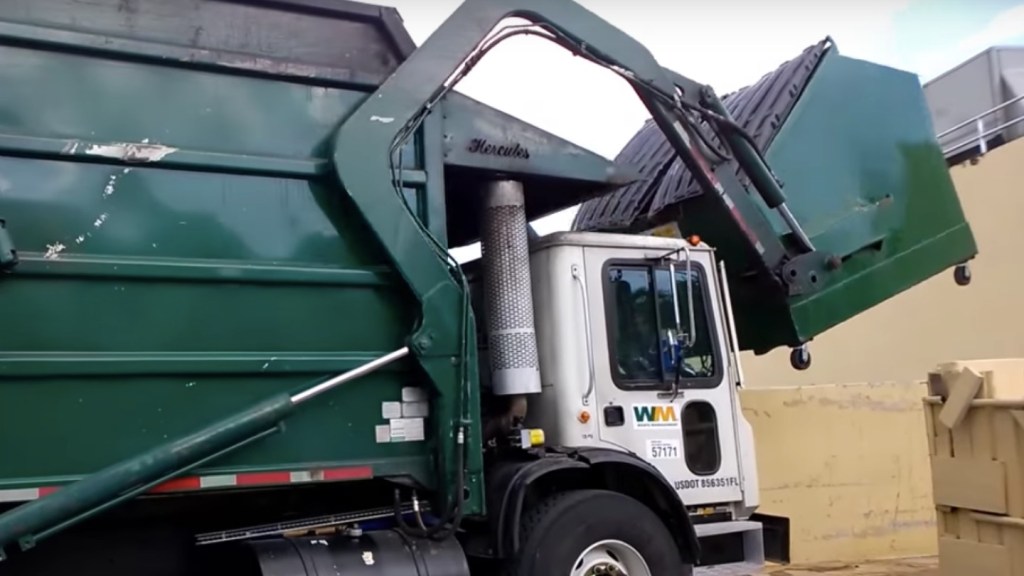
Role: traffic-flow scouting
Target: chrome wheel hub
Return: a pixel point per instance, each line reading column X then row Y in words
column 610, row 558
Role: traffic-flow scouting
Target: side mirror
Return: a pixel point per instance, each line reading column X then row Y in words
column 669, row 349
column 687, row 339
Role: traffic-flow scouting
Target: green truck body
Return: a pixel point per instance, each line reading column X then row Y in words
column 198, row 216
column 218, row 267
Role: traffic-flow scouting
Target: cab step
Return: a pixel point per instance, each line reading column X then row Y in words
column 733, row 548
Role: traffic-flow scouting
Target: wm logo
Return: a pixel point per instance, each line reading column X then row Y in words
column 655, row 416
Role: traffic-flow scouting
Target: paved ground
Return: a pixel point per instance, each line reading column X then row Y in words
column 903, row 567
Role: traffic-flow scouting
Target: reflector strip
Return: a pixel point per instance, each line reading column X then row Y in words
column 192, row 483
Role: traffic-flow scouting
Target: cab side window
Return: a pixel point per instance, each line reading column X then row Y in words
column 642, row 328
column 634, row 331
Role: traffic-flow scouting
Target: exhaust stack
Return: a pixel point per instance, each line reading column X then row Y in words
column 508, row 296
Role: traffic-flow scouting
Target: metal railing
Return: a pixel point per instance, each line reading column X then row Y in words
column 980, row 137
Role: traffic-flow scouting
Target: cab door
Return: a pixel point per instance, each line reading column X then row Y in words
column 679, row 416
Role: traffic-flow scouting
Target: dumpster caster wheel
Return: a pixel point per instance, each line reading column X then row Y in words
column 962, row 275
column 800, row 358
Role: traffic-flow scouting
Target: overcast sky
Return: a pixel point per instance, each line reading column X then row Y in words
column 726, row 43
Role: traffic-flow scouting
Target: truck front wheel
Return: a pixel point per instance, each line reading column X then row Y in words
column 592, row 532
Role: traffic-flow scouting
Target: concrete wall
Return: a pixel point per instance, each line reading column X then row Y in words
column 901, row 339
column 847, row 463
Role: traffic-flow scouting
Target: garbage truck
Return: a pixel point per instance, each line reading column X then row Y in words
column 235, row 341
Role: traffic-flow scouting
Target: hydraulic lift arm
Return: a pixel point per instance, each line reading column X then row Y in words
column 371, row 135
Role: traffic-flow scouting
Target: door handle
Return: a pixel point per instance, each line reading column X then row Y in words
column 578, row 277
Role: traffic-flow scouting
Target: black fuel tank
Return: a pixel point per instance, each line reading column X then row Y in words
column 380, row 553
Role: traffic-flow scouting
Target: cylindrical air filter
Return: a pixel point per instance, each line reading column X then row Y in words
column 508, row 294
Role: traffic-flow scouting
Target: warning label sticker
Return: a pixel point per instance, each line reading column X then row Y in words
column 407, row 429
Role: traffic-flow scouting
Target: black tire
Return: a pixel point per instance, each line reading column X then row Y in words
column 557, row 530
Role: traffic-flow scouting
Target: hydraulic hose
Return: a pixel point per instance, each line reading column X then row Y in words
column 447, row 526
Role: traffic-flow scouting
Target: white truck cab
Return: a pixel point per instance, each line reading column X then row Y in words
column 610, row 325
